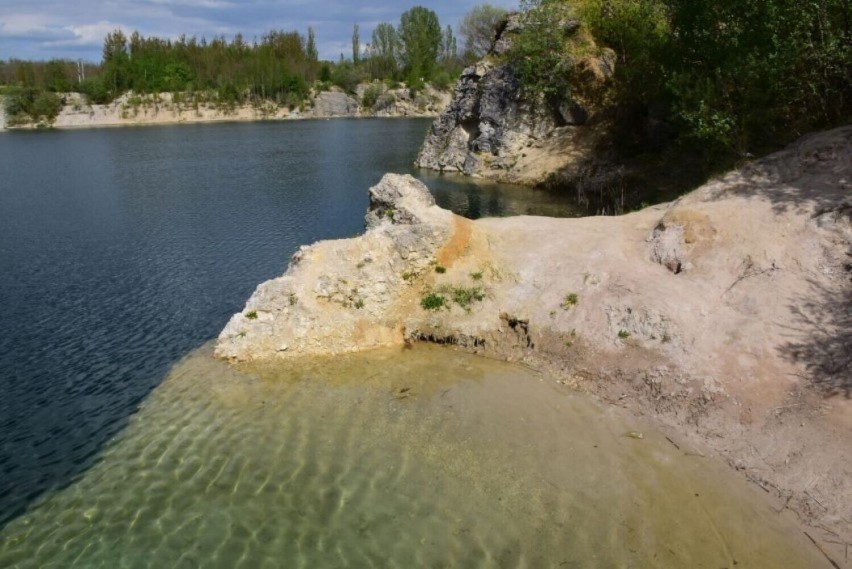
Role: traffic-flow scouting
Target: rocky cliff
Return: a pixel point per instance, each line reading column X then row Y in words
column 493, row 129
column 376, row 100
column 725, row 314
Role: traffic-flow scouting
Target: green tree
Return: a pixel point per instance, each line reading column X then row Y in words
column 449, row 47
column 116, row 63
column 543, row 51
column 748, row 75
column 311, row 48
column 420, row 36
column 384, row 51
column 356, row 45
column 57, row 77
column 478, row 27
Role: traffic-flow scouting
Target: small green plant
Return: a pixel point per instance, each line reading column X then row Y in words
column 569, row 344
column 292, row 298
column 252, row 315
column 570, row 300
column 389, row 213
column 409, row 276
column 465, row 296
column 623, row 334
column 359, row 304
column 433, row 301
column 440, row 270
column 553, row 314
column 477, row 276
column 371, row 95
column 242, row 334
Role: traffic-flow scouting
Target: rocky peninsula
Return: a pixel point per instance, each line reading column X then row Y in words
column 725, row 316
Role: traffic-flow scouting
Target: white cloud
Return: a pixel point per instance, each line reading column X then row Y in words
column 88, row 34
column 34, row 26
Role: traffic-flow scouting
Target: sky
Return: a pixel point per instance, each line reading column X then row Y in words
column 72, row 29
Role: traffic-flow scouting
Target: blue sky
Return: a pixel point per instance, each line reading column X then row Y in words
column 43, row 29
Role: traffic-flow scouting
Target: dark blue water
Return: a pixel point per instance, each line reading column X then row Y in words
column 122, row 250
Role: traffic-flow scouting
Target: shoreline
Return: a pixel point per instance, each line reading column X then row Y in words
column 224, row 120
column 716, row 316
column 161, row 110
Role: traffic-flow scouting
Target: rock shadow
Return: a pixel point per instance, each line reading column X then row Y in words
column 814, row 177
column 823, row 327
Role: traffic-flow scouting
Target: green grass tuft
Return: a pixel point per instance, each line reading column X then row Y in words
column 433, row 301
column 570, row 300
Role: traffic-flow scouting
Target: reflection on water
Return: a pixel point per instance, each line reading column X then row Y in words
column 476, row 198
column 419, row 458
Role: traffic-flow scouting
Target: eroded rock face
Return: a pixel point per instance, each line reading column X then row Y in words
column 492, row 129
column 334, row 104
column 340, row 296
column 486, row 125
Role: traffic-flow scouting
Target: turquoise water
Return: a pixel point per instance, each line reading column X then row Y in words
column 414, row 458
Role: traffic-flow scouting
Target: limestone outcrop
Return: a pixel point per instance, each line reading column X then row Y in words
column 493, row 129
column 345, row 295
column 334, row 103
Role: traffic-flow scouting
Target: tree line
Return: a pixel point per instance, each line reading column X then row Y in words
column 279, row 66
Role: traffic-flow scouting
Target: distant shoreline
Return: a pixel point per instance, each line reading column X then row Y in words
column 161, row 110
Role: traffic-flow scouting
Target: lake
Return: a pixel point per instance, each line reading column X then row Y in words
column 123, row 249
column 123, row 252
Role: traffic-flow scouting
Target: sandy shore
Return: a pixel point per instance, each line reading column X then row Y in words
column 724, row 317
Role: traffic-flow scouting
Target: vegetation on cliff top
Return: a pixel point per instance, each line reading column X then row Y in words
column 736, row 78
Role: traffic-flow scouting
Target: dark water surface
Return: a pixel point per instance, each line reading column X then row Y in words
column 121, row 250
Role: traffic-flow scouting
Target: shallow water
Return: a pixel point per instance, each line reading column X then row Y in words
column 414, row 458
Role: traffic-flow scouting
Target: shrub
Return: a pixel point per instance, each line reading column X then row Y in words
column 570, row 300
column 371, row 95
column 252, row 315
column 384, row 101
column 465, row 296
column 433, row 301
